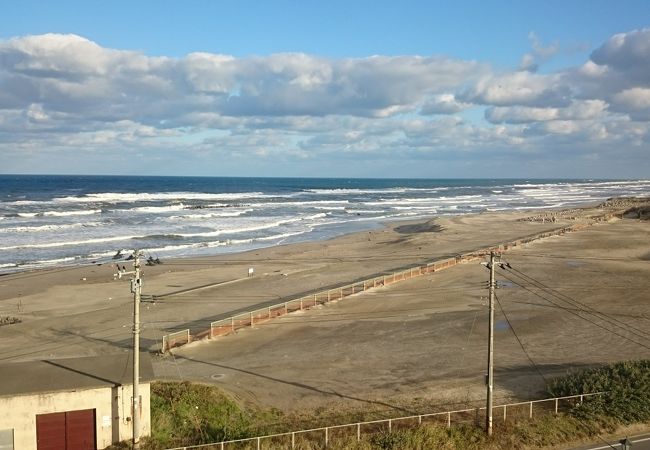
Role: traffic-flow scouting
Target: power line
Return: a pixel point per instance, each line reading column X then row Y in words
column 577, row 314
column 519, row 340
column 589, row 309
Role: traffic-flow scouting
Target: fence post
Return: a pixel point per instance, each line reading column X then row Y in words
column 419, row 420
column 530, row 416
column 293, row 440
column 353, row 288
column 315, row 299
column 390, row 426
column 448, row 420
column 504, row 413
column 258, row 443
column 556, row 406
column 341, row 293
column 326, row 437
column 358, row 432
column 300, row 303
column 286, row 311
column 232, row 324
column 252, row 321
column 222, row 446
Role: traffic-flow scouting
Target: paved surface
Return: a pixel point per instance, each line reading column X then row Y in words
column 638, row 442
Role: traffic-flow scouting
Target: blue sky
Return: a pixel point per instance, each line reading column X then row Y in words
column 287, row 88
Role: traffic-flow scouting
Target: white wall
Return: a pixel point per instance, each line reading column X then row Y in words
column 112, row 413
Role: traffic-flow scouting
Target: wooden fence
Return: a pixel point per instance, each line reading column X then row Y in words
column 247, row 319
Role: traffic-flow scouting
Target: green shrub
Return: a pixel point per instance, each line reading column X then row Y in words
column 626, row 386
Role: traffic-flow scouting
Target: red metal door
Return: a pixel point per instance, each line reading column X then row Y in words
column 71, row 430
column 80, row 430
column 50, row 431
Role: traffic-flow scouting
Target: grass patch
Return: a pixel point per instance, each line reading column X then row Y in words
column 184, row 414
column 190, row 414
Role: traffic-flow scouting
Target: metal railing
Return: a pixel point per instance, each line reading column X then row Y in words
column 229, row 325
column 325, row 435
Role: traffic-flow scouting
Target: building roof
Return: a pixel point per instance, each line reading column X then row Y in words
column 67, row 374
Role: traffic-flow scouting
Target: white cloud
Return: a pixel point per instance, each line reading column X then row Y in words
column 626, row 52
column 540, row 53
column 68, row 94
column 577, row 110
column 444, row 104
column 634, row 98
column 518, row 88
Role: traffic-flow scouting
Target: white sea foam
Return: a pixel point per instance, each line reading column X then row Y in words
column 46, row 228
column 211, row 215
column 68, row 243
column 365, row 211
column 48, row 262
column 255, row 227
column 354, row 191
column 117, row 197
column 159, row 209
column 84, row 212
column 87, row 212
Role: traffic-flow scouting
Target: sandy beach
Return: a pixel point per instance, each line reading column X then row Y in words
column 406, row 346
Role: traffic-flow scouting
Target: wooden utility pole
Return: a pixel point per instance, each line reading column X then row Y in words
column 490, row 374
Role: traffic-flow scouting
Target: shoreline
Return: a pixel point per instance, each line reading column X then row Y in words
column 378, row 225
column 21, row 261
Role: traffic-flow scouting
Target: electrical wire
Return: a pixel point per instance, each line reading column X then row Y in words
column 586, row 308
column 578, row 315
column 521, row 344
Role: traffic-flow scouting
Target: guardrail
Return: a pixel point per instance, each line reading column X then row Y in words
column 229, row 325
column 326, row 435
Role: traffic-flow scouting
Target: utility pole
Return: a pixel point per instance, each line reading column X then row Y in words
column 136, row 289
column 490, row 374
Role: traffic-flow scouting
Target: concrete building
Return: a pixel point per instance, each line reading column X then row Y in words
column 71, row 404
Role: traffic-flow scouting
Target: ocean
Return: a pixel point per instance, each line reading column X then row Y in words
column 55, row 221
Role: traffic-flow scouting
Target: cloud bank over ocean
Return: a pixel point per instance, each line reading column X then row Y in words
column 64, row 96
